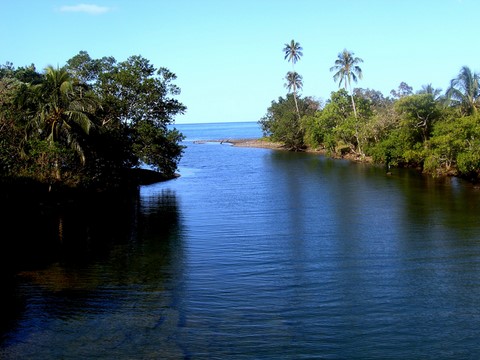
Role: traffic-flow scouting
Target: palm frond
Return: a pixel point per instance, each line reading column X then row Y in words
column 81, row 120
column 464, row 90
column 294, row 81
column 293, row 51
column 347, row 68
column 75, row 146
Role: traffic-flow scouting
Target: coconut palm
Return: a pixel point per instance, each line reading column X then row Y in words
column 347, row 70
column 293, row 53
column 294, row 83
column 429, row 89
column 63, row 112
column 464, row 91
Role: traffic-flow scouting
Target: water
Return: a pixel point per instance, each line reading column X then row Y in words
column 255, row 254
column 220, row 131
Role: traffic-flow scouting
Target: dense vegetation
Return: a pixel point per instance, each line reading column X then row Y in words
column 88, row 124
column 437, row 133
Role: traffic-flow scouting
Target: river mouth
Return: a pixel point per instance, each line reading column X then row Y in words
column 253, row 253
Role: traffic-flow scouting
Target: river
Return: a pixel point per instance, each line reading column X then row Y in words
column 252, row 254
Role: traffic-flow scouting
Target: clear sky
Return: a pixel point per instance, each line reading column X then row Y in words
column 228, row 54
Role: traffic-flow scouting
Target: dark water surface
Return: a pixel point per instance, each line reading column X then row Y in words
column 252, row 254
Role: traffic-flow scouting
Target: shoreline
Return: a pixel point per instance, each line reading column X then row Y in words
column 256, row 143
column 253, row 143
column 266, row 144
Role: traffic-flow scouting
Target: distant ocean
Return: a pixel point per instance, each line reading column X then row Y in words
column 220, row 131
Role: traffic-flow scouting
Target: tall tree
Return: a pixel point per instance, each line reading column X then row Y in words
column 294, row 83
column 403, row 90
column 64, row 112
column 83, row 68
column 293, row 53
column 283, row 125
column 464, row 91
column 347, row 70
column 139, row 99
column 429, row 89
column 420, row 112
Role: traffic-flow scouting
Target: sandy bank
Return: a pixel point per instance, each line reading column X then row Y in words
column 254, row 143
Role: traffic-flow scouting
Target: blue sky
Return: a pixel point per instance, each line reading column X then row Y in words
column 228, row 54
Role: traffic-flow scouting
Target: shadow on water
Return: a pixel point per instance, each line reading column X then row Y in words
column 448, row 201
column 404, row 244
column 356, row 188
column 62, row 262
column 268, row 253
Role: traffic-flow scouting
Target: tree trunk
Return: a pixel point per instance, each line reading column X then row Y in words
column 356, row 122
column 296, row 104
column 353, row 101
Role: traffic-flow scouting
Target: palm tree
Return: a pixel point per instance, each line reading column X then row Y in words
column 293, row 53
column 464, row 91
column 347, row 69
column 63, row 110
column 294, row 82
column 429, row 89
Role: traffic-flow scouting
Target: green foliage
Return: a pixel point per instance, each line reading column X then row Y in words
column 88, row 122
column 413, row 129
column 335, row 126
column 293, row 51
column 347, row 69
column 159, row 148
column 316, row 128
column 11, row 134
column 468, row 163
column 455, row 147
column 379, row 125
column 83, row 67
column 137, row 101
column 399, row 132
column 418, row 112
column 63, row 111
column 320, row 127
column 133, row 90
column 10, row 138
column 283, row 124
column 464, row 91
column 50, row 163
column 388, row 151
column 403, row 90
column 398, row 149
column 294, row 81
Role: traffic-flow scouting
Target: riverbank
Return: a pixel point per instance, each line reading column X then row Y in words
column 257, row 143
column 29, row 192
column 266, row 144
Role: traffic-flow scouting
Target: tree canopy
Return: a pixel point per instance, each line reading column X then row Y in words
column 347, row 70
column 89, row 122
column 464, row 91
column 293, row 52
column 435, row 132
